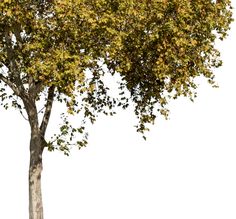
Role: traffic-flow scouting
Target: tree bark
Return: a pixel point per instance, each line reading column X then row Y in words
column 35, row 170
column 37, row 144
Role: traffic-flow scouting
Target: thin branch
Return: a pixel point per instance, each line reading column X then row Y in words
column 41, row 110
column 20, row 108
column 48, row 109
column 23, row 115
column 15, row 90
column 10, row 84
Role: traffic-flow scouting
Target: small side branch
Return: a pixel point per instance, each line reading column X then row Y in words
column 23, row 115
column 10, row 84
column 48, row 109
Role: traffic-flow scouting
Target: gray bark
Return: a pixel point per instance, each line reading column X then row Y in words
column 35, row 170
column 37, row 144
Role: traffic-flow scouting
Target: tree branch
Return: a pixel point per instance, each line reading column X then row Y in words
column 11, row 57
column 34, row 87
column 10, row 84
column 48, row 109
column 17, row 32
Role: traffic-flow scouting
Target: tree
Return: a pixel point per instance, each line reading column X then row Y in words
column 62, row 51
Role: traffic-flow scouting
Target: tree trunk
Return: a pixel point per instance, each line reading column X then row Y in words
column 37, row 144
column 35, row 169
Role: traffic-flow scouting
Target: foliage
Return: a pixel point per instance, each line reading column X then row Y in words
column 157, row 47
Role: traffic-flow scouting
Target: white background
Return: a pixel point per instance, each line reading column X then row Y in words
column 186, row 169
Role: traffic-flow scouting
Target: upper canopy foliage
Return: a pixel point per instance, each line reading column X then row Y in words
column 158, row 47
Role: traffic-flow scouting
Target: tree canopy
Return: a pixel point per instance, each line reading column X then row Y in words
column 61, row 50
column 64, row 51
